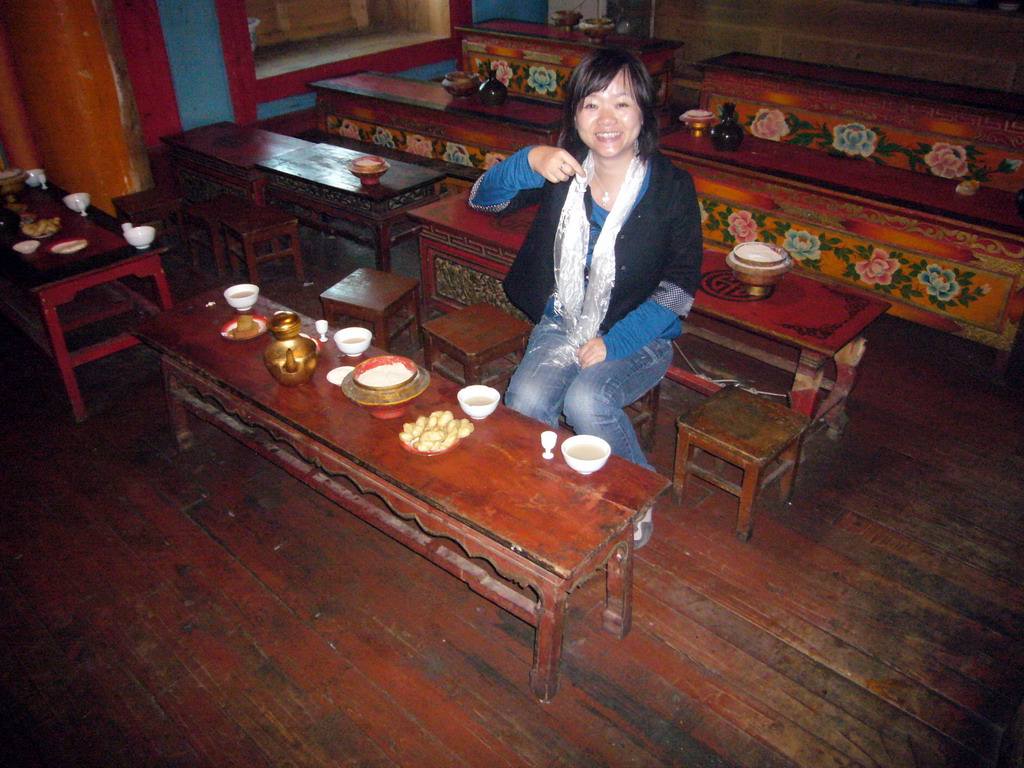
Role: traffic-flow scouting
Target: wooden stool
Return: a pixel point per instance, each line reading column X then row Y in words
column 748, row 432
column 378, row 298
column 645, row 416
column 260, row 233
column 201, row 226
column 159, row 207
column 474, row 337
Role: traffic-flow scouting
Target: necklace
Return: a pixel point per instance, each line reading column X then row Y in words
column 605, row 197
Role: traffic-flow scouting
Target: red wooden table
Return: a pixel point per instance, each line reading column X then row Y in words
column 537, row 522
column 464, row 254
column 314, row 184
column 223, row 158
column 36, row 286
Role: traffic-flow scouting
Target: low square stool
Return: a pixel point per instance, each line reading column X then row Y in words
column 643, row 415
column 261, row 233
column 159, row 207
column 202, row 228
column 475, row 337
column 390, row 303
column 760, row 437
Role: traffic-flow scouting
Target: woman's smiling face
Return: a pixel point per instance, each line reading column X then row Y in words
column 609, row 121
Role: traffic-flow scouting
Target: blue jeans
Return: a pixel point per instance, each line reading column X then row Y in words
column 543, row 387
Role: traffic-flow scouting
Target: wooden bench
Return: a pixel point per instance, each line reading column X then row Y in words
column 886, row 226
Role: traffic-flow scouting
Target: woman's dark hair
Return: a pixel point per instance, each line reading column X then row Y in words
column 594, row 73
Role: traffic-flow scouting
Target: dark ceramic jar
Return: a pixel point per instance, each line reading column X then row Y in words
column 492, row 91
column 727, row 135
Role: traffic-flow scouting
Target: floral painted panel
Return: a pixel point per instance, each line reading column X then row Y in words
column 433, row 147
column 965, row 291
column 915, row 150
column 529, row 78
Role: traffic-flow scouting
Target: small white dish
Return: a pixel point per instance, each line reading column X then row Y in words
column 65, row 247
column 26, row 246
column 337, row 375
column 353, row 341
column 478, row 401
column 242, row 296
column 586, row 453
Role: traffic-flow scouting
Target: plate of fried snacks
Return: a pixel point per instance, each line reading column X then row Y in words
column 437, row 433
column 244, row 327
column 41, row 227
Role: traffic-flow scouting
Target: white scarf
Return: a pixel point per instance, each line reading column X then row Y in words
column 583, row 306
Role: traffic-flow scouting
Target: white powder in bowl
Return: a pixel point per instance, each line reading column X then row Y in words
column 387, row 375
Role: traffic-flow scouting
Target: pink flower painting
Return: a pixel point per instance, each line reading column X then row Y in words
column 879, row 269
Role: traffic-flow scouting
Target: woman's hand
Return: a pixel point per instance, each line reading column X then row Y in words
column 594, row 351
column 554, row 163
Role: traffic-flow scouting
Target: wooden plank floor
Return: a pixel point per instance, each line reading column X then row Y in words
column 205, row 609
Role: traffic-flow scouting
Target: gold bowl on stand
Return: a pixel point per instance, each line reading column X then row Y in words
column 386, row 402
column 759, row 266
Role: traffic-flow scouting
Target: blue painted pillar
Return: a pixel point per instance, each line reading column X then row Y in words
column 192, row 36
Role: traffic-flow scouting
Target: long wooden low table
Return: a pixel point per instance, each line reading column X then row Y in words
column 464, row 254
column 492, row 498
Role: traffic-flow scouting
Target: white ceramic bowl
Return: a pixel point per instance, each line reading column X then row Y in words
column 478, row 401
column 353, row 341
column 242, row 296
column 140, row 237
column 585, row 453
column 77, row 201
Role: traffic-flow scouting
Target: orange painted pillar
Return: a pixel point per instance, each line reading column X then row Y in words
column 15, row 133
column 69, row 69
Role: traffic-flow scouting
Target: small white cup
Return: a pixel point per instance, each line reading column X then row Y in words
column 78, row 201
column 242, row 296
column 36, row 177
column 478, row 401
column 321, row 329
column 586, row 453
column 353, row 341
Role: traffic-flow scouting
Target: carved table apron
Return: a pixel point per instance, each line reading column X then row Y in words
column 565, row 530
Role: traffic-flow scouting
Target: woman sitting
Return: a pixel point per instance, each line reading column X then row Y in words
column 611, row 262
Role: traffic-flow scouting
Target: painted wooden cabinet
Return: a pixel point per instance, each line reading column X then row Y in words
column 936, row 129
column 535, row 60
column 951, row 262
column 424, row 120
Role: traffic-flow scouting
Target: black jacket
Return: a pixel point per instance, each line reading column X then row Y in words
column 660, row 241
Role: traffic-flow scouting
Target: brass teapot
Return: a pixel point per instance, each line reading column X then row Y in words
column 290, row 358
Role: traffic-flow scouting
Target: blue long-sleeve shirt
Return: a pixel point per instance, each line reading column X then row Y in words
column 650, row 320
